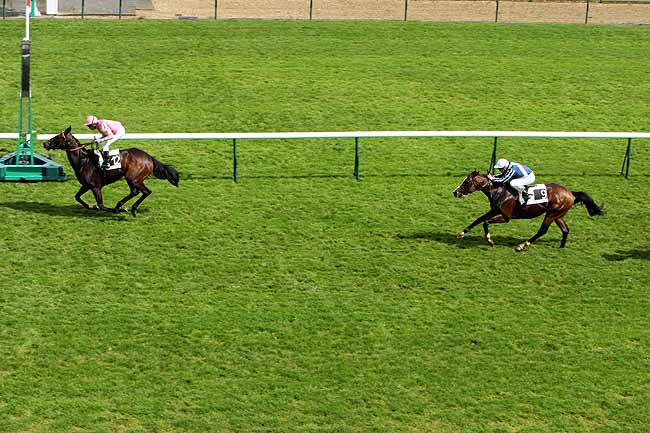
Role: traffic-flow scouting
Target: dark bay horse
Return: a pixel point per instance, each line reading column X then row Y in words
column 504, row 207
column 137, row 165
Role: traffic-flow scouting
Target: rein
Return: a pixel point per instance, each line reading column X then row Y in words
column 78, row 148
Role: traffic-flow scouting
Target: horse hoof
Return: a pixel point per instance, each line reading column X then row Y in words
column 522, row 246
column 460, row 236
column 120, row 210
column 133, row 212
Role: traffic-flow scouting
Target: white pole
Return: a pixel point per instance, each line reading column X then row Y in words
column 28, row 12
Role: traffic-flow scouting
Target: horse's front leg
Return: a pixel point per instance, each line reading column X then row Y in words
column 97, row 192
column 486, row 216
column 496, row 220
column 503, row 215
column 77, row 196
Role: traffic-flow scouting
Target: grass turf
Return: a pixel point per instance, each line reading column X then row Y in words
column 301, row 300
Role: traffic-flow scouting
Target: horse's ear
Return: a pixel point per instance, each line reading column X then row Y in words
column 67, row 130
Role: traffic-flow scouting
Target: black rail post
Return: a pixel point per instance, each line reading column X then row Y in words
column 216, row 4
column 625, row 169
column 311, row 9
column 587, row 13
column 496, row 14
column 234, row 159
column 356, row 158
column 119, row 12
column 83, row 8
column 406, row 10
column 494, row 155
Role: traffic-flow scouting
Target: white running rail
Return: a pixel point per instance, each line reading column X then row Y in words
column 234, row 136
column 348, row 134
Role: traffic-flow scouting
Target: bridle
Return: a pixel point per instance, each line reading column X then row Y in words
column 73, row 149
column 480, row 184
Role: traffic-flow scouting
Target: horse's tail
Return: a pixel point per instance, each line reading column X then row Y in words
column 164, row 171
column 592, row 207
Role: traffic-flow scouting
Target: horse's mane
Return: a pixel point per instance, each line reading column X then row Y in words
column 90, row 154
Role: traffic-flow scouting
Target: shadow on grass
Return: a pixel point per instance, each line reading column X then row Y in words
column 71, row 210
column 469, row 241
column 628, row 254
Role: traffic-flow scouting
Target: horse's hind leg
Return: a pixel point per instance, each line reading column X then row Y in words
column 133, row 193
column 565, row 230
column 145, row 193
column 541, row 232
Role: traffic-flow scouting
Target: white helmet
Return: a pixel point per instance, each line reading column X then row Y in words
column 502, row 163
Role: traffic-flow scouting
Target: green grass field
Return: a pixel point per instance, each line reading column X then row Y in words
column 300, row 300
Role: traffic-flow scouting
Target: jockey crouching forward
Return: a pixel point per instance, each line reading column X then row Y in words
column 518, row 176
column 111, row 131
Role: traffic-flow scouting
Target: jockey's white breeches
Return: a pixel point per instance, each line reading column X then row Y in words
column 520, row 183
column 116, row 136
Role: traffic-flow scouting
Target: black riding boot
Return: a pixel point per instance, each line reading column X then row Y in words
column 105, row 163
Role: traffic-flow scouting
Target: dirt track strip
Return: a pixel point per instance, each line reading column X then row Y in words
column 426, row 10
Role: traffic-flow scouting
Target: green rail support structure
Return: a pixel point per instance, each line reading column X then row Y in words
column 23, row 164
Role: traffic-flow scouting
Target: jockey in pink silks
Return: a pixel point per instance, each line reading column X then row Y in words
column 111, row 131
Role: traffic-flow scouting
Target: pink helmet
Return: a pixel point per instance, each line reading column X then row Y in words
column 90, row 120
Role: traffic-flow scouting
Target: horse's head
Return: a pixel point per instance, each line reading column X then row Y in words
column 474, row 181
column 63, row 140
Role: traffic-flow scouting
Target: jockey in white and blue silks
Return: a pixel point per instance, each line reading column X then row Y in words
column 518, row 175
